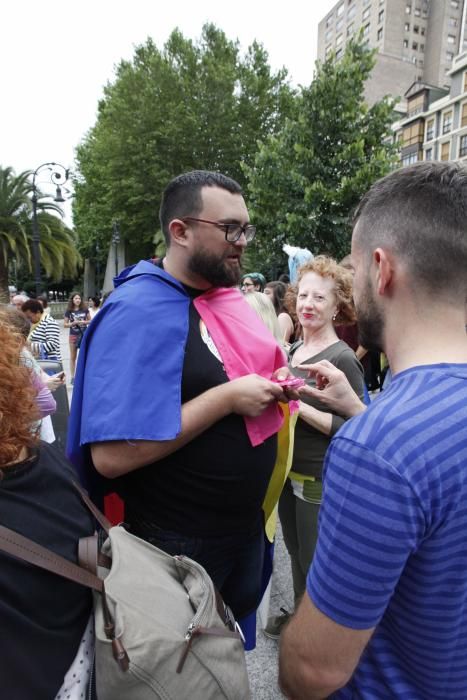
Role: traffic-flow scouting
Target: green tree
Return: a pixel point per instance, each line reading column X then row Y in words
column 59, row 255
column 191, row 105
column 307, row 179
column 14, row 202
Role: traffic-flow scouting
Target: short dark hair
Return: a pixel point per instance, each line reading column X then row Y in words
column 32, row 305
column 182, row 196
column 96, row 301
column 420, row 212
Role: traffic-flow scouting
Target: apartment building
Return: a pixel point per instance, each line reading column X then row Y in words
column 416, row 40
column 435, row 127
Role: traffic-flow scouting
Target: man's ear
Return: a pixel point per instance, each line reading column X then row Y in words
column 384, row 270
column 177, row 231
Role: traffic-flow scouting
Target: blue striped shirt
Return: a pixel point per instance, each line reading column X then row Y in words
column 392, row 549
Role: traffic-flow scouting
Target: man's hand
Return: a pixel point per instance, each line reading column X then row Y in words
column 332, row 389
column 251, row 395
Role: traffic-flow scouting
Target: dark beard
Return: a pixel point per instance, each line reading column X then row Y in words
column 214, row 269
column 370, row 323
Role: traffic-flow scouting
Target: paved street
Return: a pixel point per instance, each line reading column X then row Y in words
column 262, row 662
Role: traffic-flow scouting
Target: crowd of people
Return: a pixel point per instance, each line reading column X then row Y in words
column 236, row 398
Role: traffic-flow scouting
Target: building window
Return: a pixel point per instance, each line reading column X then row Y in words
column 407, row 26
column 464, row 115
column 414, row 46
column 422, row 31
column 452, row 22
column 339, row 23
column 366, row 14
column 465, row 81
column 406, row 43
column 366, row 29
column 338, row 39
column 351, row 12
column 328, row 21
column 449, row 56
column 445, row 148
column 379, row 35
column 339, row 54
column 416, row 104
column 429, row 154
column 463, row 146
column 410, row 159
column 447, row 122
column 430, row 129
column 413, row 134
column 417, row 12
column 451, row 39
column 416, row 28
column 350, row 29
column 340, row 9
column 380, row 16
column 455, row 4
column 408, row 9
column 422, row 47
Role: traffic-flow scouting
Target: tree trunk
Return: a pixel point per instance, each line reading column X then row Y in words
column 4, row 293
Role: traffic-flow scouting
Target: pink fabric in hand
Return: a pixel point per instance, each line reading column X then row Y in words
column 246, row 347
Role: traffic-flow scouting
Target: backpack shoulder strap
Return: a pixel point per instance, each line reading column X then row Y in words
column 100, row 517
column 22, row 548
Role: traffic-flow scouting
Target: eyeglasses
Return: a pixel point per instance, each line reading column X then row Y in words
column 247, row 284
column 232, row 231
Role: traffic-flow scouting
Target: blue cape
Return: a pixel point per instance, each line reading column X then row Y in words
column 148, row 357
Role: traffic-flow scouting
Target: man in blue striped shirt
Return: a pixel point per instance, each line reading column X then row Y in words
column 385, row 613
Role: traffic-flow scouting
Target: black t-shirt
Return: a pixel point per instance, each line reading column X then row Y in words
column 215, row 484
column 42, row 615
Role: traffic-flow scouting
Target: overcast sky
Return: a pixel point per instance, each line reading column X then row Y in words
column 55, row 58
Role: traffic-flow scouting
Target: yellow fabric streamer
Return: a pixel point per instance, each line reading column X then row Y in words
column 285, row 443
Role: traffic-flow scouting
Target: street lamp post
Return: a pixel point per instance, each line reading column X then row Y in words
column 116, row 241
column 57, row 177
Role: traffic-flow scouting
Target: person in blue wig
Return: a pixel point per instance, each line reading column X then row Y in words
column 174, row 403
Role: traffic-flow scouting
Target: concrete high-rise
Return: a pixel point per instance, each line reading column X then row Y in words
column 416, row 40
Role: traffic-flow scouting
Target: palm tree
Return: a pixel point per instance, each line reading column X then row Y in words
column 59, row 256
column 15, row 206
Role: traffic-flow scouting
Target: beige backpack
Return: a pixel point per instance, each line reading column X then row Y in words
column 161, row 629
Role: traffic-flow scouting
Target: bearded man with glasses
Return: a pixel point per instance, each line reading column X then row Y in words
column 174, row 392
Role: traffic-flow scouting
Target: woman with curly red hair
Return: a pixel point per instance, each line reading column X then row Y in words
column 323, row 300
column 43, row 614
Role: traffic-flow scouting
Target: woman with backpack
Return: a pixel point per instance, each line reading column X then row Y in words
column 43, row 617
